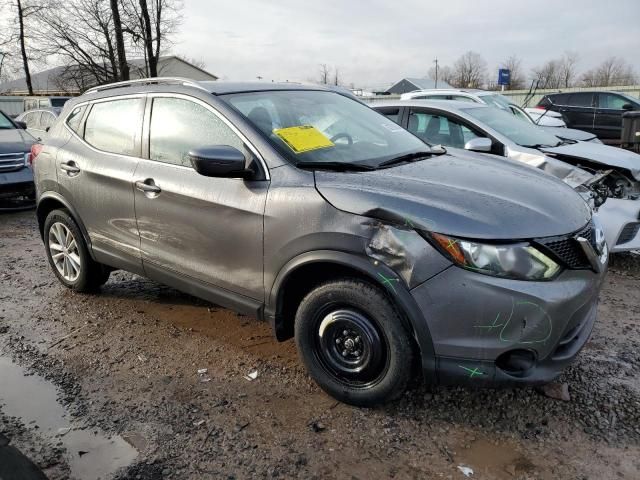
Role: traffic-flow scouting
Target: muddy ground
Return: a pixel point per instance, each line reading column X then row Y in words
column 107, row 386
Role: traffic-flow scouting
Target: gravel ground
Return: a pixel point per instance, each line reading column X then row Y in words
column 125, row 363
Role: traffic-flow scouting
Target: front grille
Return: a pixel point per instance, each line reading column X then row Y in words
column 567, row 250
column 628, row 233
column 11, row 161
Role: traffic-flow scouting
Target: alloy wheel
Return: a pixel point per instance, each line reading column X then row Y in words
column 64, row 252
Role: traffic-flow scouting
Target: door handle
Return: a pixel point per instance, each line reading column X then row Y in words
column 70, row 167
column 148, row 186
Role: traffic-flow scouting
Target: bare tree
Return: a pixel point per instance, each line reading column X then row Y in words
column 325, row 71
column 81, row 34
column 15, row 38
column 119, row 38
column 613, row 71
column 513, row 63
column 567, row 69
column 469, row 71
column 150, row 23
column 336, row 77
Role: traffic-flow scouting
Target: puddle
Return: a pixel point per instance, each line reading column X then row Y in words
column 34, row 401
column 498, row 462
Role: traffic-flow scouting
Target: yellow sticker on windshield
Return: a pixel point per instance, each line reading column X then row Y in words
column 303, row 138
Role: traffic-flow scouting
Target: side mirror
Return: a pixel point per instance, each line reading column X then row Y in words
column 219, row 161
column 20, row 124
column 628, row 106
column 479, row 144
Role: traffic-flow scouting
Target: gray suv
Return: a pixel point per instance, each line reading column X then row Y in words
column 302, row 206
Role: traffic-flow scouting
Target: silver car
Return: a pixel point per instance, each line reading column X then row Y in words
column 39, row 121
column 609, row 176
column 303, row 207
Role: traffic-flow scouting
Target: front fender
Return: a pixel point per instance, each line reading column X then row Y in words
column 379, row 274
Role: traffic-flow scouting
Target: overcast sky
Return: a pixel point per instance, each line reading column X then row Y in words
column 376, row 42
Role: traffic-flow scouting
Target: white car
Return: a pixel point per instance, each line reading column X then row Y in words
column 550, row 120
column 608, row 177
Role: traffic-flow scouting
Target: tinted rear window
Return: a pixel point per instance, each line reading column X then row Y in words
column 581, row 99
column 58, row 102
column 113, row 126
column 558, row 99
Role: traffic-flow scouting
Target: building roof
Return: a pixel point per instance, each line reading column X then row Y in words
column 422, row 83
column 48, row 82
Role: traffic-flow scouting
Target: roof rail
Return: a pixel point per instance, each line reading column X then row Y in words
column 147, row 81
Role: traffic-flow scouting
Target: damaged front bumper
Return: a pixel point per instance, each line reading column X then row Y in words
column 492, row 331
column 620, row 219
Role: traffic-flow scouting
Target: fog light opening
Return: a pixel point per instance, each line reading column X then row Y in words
column 516, row 363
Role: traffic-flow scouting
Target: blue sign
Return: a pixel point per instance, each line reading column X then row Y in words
column 504, row 76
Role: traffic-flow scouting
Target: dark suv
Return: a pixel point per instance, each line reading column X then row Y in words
column 304, row 207
column 16, row 177
column 597, row 112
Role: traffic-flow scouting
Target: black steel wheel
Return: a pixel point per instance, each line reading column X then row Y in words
column 354, row 342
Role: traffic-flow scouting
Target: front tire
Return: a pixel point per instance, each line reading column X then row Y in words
column 353, row 342
column 69, row 256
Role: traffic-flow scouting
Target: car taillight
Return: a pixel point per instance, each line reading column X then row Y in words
column 36, row 148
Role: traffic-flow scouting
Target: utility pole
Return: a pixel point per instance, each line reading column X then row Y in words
column 436, row 62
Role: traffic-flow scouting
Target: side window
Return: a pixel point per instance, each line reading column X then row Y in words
column 33, row 120
column 582, row 99
column 463, row 99
column 436, row 97
column 74, row 119
column 179, row 125
column 436, row 129
column 611, row 100
column 46, row 120
column 113, row 125
column 392, row 113
column 559, row 99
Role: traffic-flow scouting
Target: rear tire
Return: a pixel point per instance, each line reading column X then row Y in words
column 353, row 342
column 69, row 256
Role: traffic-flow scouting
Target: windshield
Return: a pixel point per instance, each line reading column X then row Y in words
column 5, row 123
column 325, row 127
column 58, row 102
column 496, row 100
column 518, row 131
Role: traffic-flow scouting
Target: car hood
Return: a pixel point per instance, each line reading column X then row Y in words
column 460, row 194
column 15, row 140
column 570, row 133
column 603, row 154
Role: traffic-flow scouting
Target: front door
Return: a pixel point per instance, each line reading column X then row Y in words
column 608, row 122
column 95, row 174
column 195, row 228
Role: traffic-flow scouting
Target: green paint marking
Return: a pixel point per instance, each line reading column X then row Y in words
column 492, row 326
column 472, row 373
column 452, row 244
column 408, row 223
column 387, row 281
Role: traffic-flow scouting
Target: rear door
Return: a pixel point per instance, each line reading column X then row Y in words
column 608, row 120
column 198, row 231
column 579, row 111
column 95, row 174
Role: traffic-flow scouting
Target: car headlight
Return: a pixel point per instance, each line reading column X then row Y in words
column 519, row 261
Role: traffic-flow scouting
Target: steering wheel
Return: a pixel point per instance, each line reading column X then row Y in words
column 338, row 136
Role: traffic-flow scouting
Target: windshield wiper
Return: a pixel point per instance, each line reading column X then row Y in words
column 406, row 158
column 541, row 145
column 337, row 166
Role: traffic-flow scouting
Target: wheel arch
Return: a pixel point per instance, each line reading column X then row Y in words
column 307, row 270
column 53, row 201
